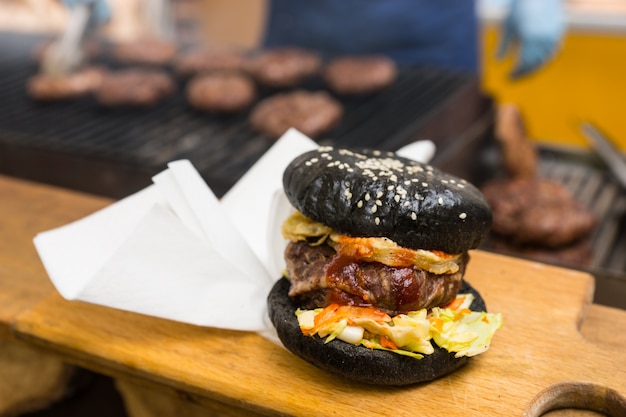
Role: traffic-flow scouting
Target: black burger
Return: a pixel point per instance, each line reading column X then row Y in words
column 378, row 246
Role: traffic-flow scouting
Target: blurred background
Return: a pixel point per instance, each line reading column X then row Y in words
column 537, row 123
column 585, row 80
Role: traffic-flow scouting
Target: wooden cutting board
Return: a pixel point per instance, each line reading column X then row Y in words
column 537, row 360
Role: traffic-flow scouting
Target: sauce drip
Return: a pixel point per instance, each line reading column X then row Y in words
column 355, row 282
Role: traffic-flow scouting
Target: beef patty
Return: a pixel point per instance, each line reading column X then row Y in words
column 319, row 277
column 149, row 51
column 537, row 211
column 46, row 87
column 139, row 87
column 312, row 113
column 360, row 74
column 283, row 67
column 208, row 60
column 221, row 91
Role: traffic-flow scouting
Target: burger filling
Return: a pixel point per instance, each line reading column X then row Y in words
column 374, row 292
column 453, row 327
column 320, row 276
column 326, row 267
column 299, row 228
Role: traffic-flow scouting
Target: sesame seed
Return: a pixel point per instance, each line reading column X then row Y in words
column 359, row 204
column 396, row 198
column 367, row 197
column 379, row 194
column 440, row 200
column 377, row 221
column 374, row 208
column 308, row 163
column 463, row 216
column 424, row 184
column 379, row 203
column 413, row 215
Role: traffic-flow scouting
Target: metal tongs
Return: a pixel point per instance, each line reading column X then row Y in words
column 65, row 54
column 607, row 150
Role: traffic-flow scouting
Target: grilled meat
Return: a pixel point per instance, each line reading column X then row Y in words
column 319, row 277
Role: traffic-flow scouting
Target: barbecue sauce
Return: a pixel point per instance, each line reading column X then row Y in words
column 353, row 282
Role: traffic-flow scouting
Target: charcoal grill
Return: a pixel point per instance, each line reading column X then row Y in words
column 83, row 146
column 115, row 152
column 587, row 177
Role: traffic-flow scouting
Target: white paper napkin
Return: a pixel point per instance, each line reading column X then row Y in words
column 173, row 250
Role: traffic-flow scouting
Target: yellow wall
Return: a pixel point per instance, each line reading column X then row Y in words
column 585, row 81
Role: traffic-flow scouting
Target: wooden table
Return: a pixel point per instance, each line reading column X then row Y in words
column 555, row 347
column 30, row 378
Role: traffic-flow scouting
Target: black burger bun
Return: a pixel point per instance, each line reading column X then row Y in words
column 370, row 193
column 358, row 363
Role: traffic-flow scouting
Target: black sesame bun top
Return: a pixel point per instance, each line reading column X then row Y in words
column 379, row 194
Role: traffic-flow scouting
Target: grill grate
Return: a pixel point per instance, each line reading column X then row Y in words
column 590, row 181
column 115, row 152
column 221, row 148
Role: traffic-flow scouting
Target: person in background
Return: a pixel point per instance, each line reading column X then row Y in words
column 533, row 30
column 438, row 33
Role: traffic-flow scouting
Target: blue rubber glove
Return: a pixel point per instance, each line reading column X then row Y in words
column 533, row 29
column 101, row 12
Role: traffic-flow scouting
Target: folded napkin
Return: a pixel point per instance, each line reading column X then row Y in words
column 173, row 250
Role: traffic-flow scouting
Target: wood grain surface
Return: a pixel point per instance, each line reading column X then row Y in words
column 537, row 360
column 538, row 348
column 26, row 209
column 30, row 378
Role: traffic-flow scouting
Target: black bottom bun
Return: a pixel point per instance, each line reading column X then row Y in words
column 358, row 363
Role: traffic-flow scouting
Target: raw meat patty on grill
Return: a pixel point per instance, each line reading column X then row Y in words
column 537, row 211
column 312, row 113
column 221, row 92
column 145, row 51
column 206, row 60
column 360, row 74
column 283, row 67
column 135, row 87
column 46, row 87
column 579, row 253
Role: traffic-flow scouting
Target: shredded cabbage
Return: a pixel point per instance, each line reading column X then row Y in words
column 454, row 328
column 298, row 227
